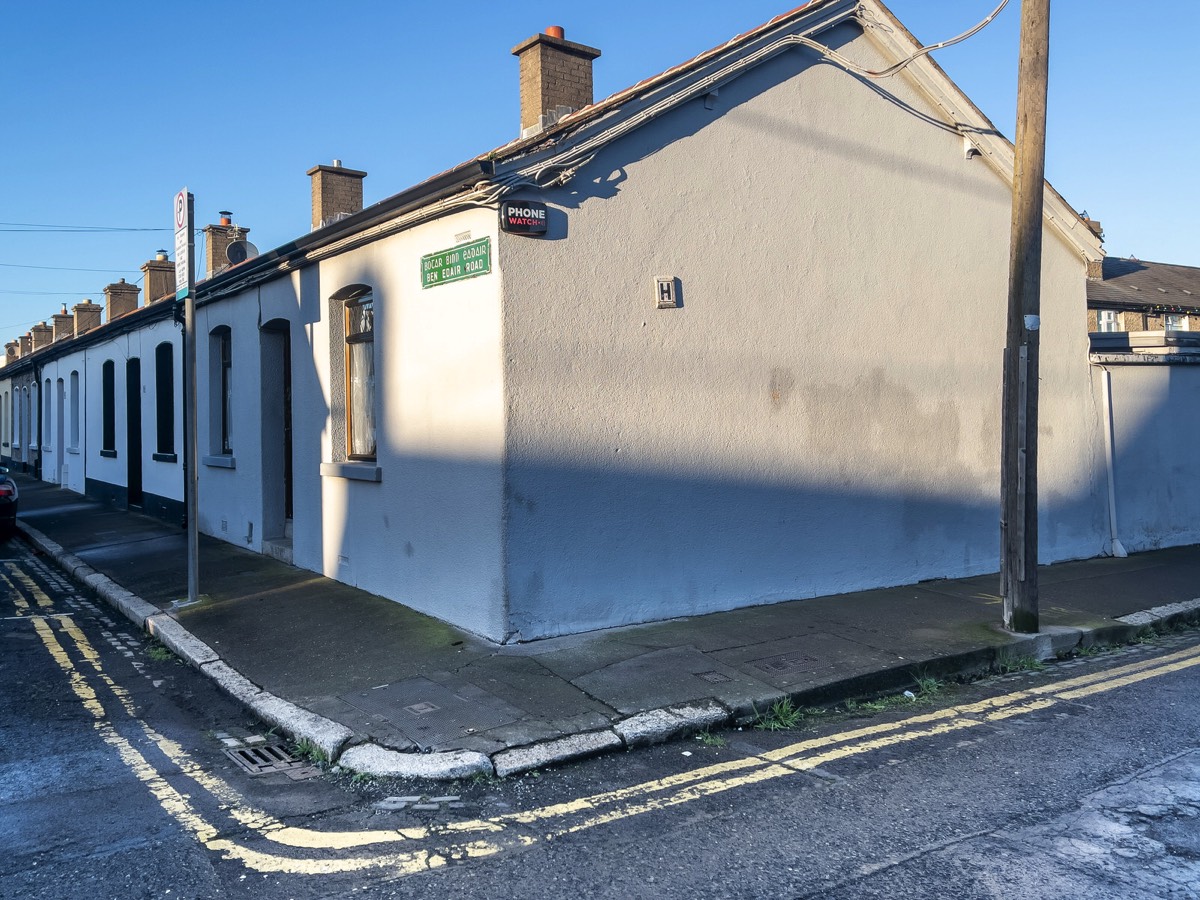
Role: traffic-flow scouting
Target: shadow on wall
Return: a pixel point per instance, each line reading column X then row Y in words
column 1157, row 430
column 595, row 547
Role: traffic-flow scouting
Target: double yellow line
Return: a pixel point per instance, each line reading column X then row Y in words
column 411, row 850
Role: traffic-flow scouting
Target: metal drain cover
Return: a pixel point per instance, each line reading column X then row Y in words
column 714, row 677
column 262, row 759
column 786, row 664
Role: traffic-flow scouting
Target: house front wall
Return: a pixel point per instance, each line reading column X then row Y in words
column 421, row 523
column 821, row 413
column 109, row 469
column 65, row 443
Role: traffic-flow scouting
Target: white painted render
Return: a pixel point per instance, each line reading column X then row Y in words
column 822, row 414
column 428, row 531
column 1154, row 440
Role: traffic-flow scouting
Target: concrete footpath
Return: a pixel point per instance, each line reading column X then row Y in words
column 384, row 690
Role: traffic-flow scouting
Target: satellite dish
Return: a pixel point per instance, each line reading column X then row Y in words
column 240, row 251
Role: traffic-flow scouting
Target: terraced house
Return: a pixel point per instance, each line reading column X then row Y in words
column 730, row 336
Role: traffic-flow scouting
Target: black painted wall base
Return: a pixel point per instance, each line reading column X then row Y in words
column 167, row 510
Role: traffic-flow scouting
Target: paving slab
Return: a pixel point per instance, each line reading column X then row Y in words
column 664, row 678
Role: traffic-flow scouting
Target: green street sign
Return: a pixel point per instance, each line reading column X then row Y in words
column 457, row 263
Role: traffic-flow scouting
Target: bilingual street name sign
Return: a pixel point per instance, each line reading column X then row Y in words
column 457, row 263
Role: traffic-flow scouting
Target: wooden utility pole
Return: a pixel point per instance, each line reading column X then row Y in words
column 1019, row 513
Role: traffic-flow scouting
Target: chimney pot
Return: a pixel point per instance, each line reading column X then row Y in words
column 337, row 163
column 160, row 255
column 226, row 217
column 557, row 31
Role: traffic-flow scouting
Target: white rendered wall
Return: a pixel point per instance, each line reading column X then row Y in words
column 1156, row 431
column 429, row 532
column 73, row 454
column 229, row 495
column 822, row 415
column 162, row 479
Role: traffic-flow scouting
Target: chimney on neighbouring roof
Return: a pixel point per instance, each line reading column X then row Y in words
column 158, row 277
column 556, row 78
column 120, row 298
column 217, row 239
column 1093, row 226
column 26, row 342
column 12, row 350
column 1095, row 269
column 41, row 334
column 87, row 316
column 64, row 324
column 336, row 193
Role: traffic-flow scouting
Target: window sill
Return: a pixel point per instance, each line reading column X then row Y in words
column 165, row 457
column 220, row 462
column 109, row 454
column 74, row 451
column 355, row 471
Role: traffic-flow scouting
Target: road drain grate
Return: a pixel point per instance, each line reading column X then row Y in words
column 264, row 758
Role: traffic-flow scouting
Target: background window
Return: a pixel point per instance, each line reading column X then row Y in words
column 74, row 410
column 221, row 390
column 108, row 415
column 164, row 396
column 1175, row 323
column 360, row 377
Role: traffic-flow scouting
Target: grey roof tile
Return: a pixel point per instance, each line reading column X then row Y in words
column 1140, row 284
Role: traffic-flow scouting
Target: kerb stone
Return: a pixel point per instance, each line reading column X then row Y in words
column 575, row 746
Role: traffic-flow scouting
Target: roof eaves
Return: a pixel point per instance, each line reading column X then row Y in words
column 444, row 184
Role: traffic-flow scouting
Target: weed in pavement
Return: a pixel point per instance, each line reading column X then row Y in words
column 159, row 652
column 781, row 716
column 1020, row 664
column 306, row 749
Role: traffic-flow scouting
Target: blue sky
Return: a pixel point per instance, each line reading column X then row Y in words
column 108, row 109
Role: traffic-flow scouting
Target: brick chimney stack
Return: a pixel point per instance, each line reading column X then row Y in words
column 64, row 324
column 217, row 239
column 40, row 334
column 120, row 298
column 87, row 316
column 12, row 350
column 26, row 342
column 159, row 277
column 556, row 78
column 337, row 192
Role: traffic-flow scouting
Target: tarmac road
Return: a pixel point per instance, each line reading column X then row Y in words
column 1080, row 780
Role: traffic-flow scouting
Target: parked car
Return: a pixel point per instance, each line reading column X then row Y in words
column 8, row 504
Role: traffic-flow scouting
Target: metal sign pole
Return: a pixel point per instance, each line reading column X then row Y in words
column 185, row 289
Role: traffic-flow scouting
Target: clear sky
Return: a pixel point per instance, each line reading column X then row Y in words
column 108, row 109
